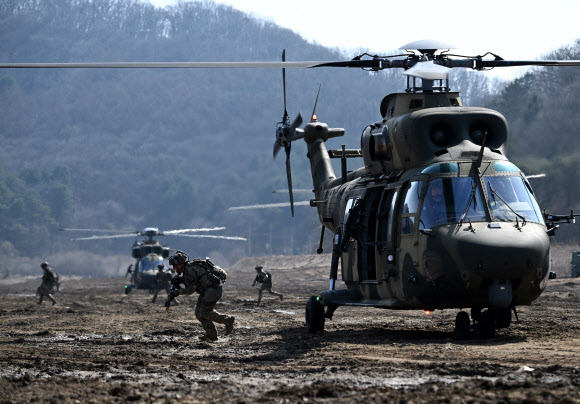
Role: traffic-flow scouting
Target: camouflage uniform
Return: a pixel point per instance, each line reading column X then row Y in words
column 162, row 280
column 49, row 281
column 197, row 279
column 264, row 278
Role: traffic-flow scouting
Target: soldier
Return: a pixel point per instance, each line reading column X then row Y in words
column 205, row 278
column 162, row 280
column 264, row 278
column 49, row 281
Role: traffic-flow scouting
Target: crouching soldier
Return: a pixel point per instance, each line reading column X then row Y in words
column 162, row 282
column 49, row 281
column 264, row 278
column 205, row 278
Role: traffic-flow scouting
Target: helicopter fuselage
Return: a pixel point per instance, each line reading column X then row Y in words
column 437, row 218
column 148, row 254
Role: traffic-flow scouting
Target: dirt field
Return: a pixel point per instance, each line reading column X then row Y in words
column 100, row 345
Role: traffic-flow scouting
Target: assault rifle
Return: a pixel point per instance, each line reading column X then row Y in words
column 176, row 282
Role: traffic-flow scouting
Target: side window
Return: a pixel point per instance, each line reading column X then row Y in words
column 409, row 208
column 351, row 215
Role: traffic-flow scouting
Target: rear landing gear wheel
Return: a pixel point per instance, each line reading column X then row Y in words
column 462, row 325
column 487, row 325
column 314, row 315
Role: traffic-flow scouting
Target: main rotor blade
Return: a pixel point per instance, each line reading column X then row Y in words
column 100, row 230
column 212, row 236
column 105, row 237
column 375, row 64
column 269, row 205
column 309, row 191
column 289, row 175
column 179, row 231
column 482, row 63
column 168, row 65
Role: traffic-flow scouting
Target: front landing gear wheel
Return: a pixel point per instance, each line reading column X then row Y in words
column 314, row 315
column 487, row 325
column 462, row 325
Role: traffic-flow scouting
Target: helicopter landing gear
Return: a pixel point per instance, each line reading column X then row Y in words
column 314, row 315
column 487, row 324
column 462, row 325
column 503, row 317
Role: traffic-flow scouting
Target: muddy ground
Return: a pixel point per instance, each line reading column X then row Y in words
column 100, row 345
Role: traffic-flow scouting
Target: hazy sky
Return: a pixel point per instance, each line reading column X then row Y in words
column 513, row 29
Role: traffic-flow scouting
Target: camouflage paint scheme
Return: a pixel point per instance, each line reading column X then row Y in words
column 473, row 264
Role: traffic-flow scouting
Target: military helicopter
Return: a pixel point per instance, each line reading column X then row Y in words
column 438, row 217
column 149, row 253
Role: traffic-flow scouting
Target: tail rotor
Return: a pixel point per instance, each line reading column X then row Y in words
column 286, row 133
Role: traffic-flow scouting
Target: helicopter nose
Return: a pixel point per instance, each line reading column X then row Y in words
column 503, row 253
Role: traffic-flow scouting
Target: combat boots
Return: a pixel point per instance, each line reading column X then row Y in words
column 229, row 325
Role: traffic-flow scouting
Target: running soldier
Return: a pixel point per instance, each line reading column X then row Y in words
column 205, row 278
column 49, row 281
column 163, row 281
column 264, row 278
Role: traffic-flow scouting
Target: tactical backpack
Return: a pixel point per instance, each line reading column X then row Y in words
column 214, row 273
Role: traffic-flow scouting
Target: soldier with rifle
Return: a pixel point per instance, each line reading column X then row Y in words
column 162, row 282
column 264, row 278
column 49, row 281
column 205, row 278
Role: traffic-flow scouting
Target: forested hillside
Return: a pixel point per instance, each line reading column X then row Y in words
column 126, row 149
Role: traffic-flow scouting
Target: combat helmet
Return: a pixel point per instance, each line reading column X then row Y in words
column 44, row 264
column 160, row 266
column 178, row 258
column 258, row 267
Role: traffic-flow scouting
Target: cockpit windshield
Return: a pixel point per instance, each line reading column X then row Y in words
column 509, row 194
column 449, row 200
column 150, row 263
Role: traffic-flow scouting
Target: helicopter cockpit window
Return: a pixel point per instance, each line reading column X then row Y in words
column 410, row 206
column 441, row 168
column 147, row 264
column 500, row 166
column 449, row 199
column 516, row 195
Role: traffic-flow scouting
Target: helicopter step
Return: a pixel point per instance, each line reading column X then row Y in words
column 346, row 297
